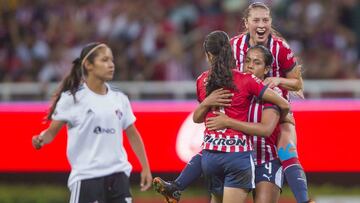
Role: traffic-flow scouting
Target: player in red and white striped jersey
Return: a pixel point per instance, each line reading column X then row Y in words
column 286, row 75
column 235, row 161
column 263, row 120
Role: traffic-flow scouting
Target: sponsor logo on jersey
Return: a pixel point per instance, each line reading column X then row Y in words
column 224, row 142
column 100, row 130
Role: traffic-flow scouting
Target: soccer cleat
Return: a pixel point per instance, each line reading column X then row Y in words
column 168, row 189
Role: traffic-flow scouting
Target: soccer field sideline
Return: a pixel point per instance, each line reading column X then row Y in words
column 54, row 193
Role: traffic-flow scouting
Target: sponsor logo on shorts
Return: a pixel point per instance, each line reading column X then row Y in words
column 268, row 177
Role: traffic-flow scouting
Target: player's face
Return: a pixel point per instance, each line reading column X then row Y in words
column 103, row 66
column 255, row 63
column 259, row 25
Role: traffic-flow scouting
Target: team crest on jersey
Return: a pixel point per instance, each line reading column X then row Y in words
column 119, row 114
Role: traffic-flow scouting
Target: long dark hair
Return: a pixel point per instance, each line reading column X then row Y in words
column 73, row 80
column 222, row 62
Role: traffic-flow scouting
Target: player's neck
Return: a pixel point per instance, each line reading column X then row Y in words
column 97, row 86
column 253, row 43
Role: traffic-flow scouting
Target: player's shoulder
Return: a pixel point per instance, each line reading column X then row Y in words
column 68, row 95
column 238, row 73
column 237, row 37
column 203, row 75
column 281, row 42
column 117, row 91
column 244, row 77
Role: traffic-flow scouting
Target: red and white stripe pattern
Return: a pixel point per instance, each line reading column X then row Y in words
column 284, row 59
column 265, row 148
column 227, row 143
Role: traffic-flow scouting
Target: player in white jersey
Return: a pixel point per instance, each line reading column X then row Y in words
column 96, row 115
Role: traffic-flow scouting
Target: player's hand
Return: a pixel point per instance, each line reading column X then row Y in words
column 218, row 122
column 37, row 141
column 146, row 179
column 298, row 94
column 272, row 82
column 219, row 97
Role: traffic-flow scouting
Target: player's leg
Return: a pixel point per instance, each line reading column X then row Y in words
column 294, row 173
column 268, row 180
column 171, row 190
column 216, row 198
column 266, row 192
column 239, row 172
column 190, row 173
column 235, row 195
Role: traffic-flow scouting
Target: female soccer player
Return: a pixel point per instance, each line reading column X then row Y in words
column 264, row 121
column 95, row 115
column 286, row 75
column 227, row 153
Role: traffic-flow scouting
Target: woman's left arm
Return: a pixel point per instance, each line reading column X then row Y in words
column 138, row 146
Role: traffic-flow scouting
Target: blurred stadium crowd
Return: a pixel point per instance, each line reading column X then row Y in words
column 162, row 39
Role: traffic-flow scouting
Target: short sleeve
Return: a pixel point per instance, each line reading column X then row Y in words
column 287, row 60
column 63, row 108
column 255, row 86
column 129, row 117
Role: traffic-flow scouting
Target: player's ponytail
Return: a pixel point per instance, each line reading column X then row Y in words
column 76, row 76
column 218, row 48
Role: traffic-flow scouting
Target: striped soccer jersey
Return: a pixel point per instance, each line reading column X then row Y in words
column 284, row 60
column 229, row 140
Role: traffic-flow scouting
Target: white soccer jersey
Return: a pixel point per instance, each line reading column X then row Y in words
column 94, row 127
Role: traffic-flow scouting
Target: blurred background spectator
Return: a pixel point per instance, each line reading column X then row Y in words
column 162, row 39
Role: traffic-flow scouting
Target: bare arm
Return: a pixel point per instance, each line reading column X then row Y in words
column 269, row 120
column 219, row 97
column 47, row 135
column 138, row 146
column 272, row 97
column 292, row 82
